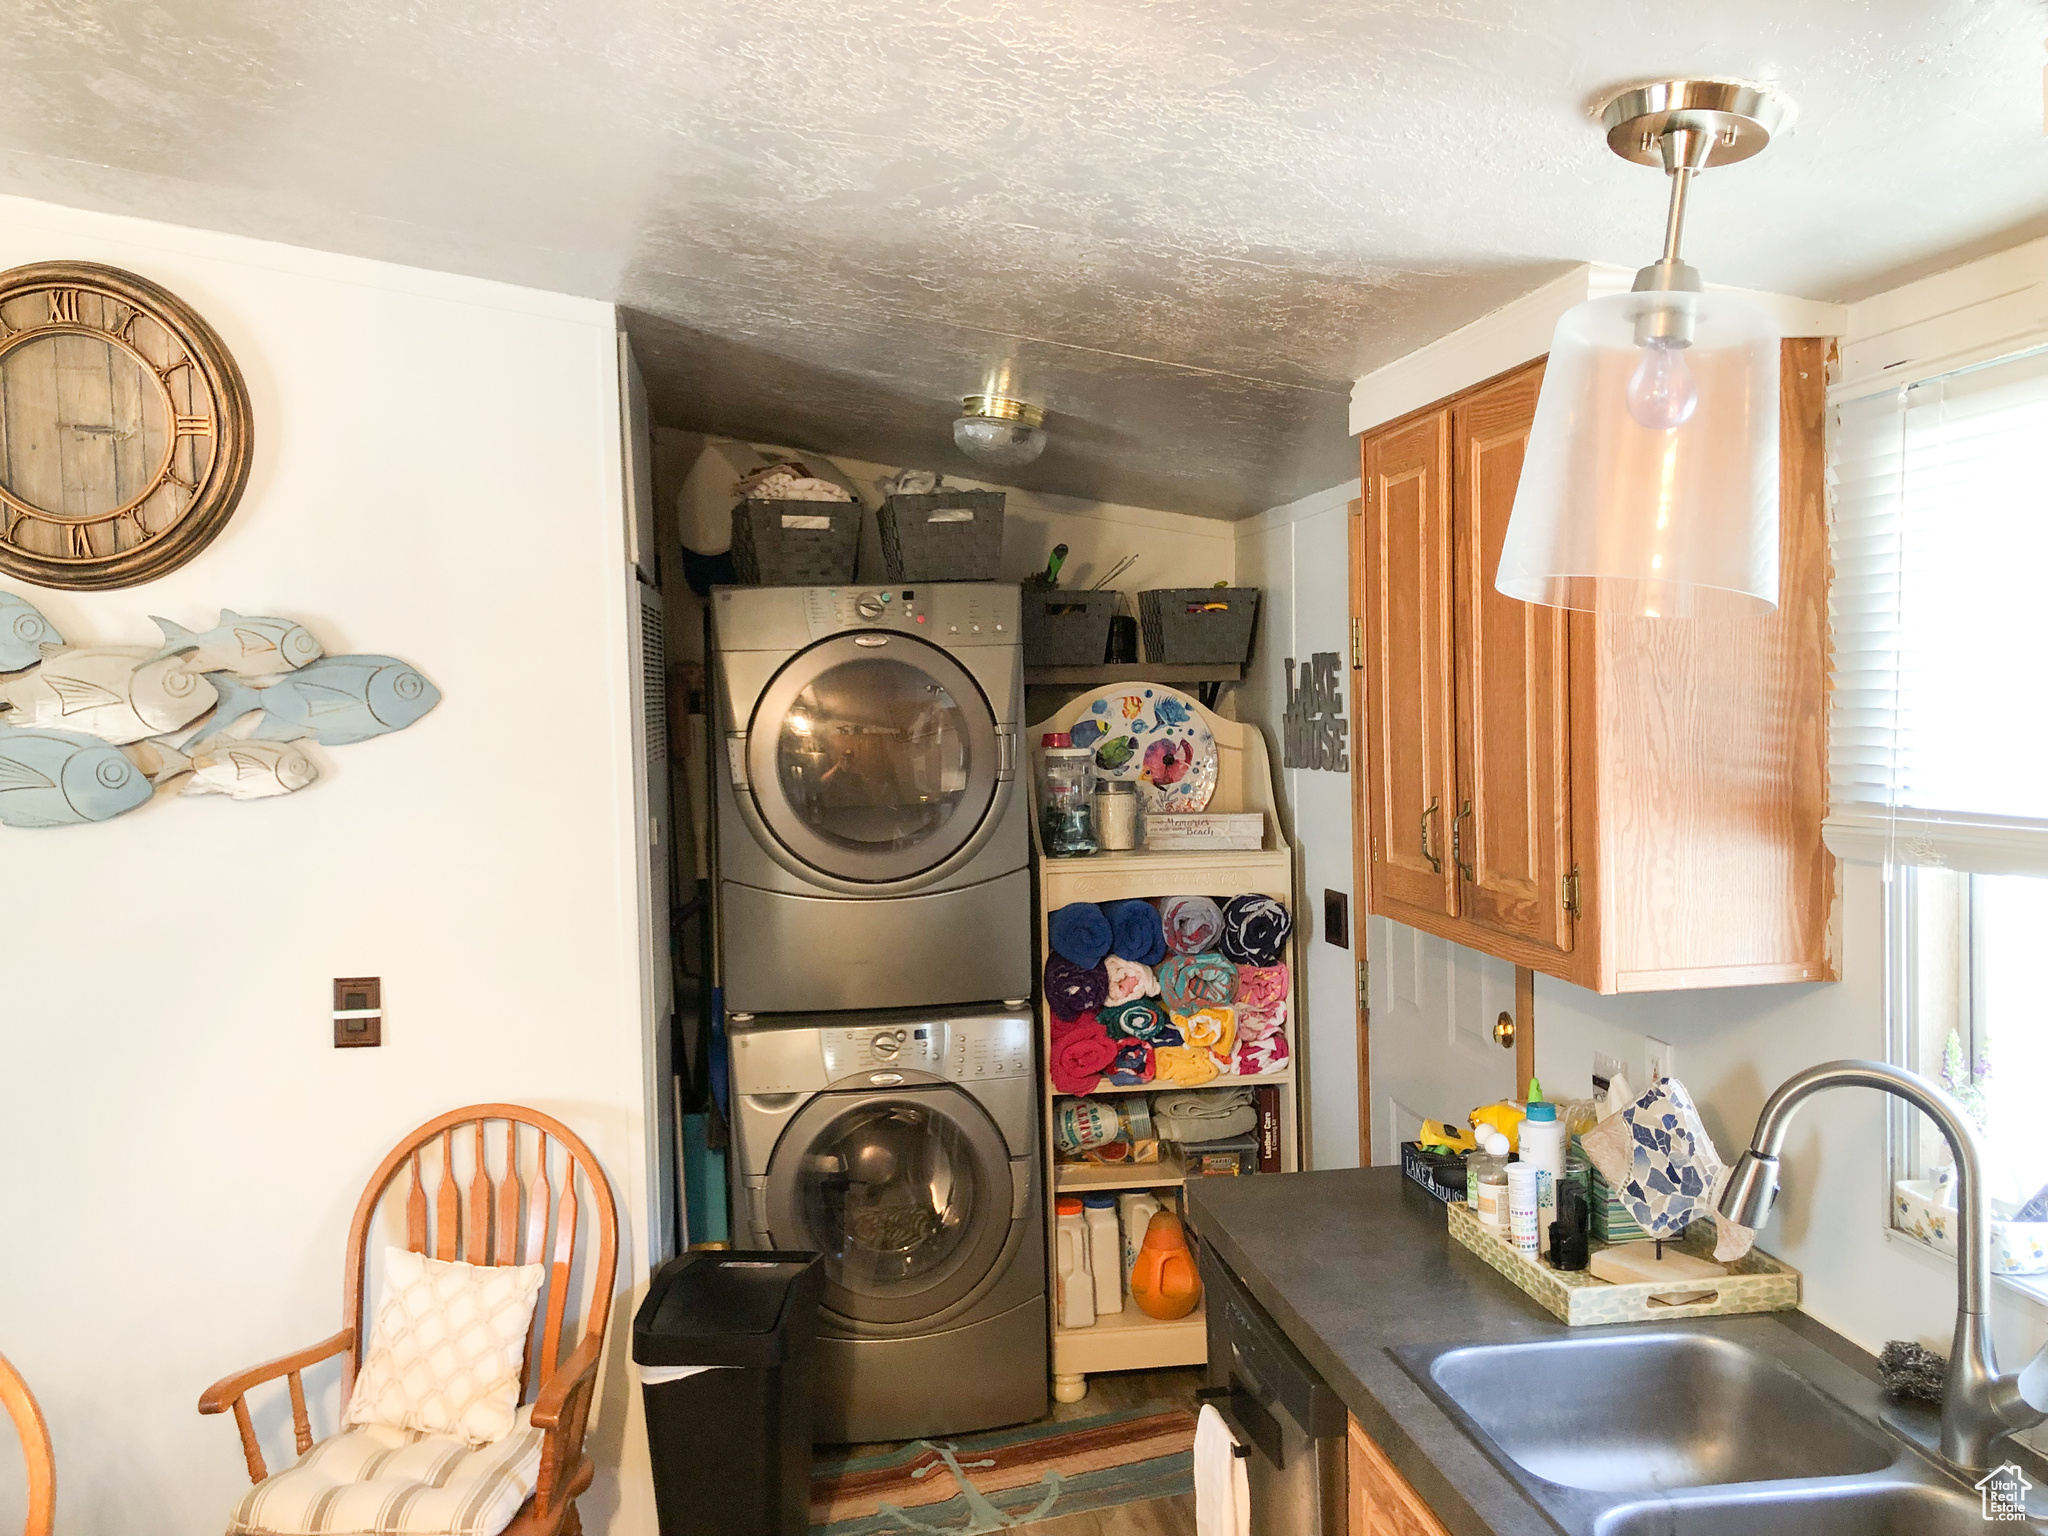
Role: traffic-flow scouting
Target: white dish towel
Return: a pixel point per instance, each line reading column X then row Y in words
column 1223, row 1499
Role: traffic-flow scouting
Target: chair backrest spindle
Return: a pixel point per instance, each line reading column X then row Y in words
column 447, row 1205
column 507, row 1250
column 478, row 1250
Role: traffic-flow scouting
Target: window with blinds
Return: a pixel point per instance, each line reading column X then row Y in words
column 1938, row 722
column 1938, row 747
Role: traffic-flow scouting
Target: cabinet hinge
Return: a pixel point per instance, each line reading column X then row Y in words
column 1364, row 980
column 1357, row 647
column 1571, row 892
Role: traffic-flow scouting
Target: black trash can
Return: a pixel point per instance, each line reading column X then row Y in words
column 731, row 1447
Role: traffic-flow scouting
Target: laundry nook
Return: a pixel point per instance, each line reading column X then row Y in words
column 885, row 770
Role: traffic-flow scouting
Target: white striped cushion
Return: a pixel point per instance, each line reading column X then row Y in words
column 378, row 1481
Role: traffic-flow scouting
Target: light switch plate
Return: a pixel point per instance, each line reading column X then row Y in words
column 1337, row 919
column 358, row 1011
column 1659, row 1061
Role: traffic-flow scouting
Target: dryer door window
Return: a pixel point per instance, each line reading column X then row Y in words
column 873, row 761
column 907, row 1196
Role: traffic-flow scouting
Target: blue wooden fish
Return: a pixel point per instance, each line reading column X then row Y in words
column 247, row 647
column 338, row 700
column 23, row 634
column 64, row 779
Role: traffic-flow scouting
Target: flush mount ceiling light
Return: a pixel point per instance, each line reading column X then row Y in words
column 1650, row 482
column 998, row 430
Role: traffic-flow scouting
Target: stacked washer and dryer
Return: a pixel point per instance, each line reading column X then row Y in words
column 874, row 919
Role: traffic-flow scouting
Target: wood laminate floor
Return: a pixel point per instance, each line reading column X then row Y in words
column 1106, row 1394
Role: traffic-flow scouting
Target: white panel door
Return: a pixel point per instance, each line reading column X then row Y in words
column 1433, row 1055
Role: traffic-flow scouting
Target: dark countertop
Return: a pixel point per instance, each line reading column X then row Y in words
column 1355, row 1262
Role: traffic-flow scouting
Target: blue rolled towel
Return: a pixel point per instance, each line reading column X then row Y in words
column 1079, row 933
column 1136, row 934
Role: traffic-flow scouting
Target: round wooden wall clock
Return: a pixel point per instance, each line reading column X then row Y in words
column 124, row 428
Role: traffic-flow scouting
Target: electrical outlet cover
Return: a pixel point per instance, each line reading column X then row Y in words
column 1659, row 1060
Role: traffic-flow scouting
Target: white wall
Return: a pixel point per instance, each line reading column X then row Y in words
column 436, row 476
column 1299, row 555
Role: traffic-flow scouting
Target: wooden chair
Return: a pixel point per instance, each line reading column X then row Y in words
column 35, row 1449
column 483, row 1223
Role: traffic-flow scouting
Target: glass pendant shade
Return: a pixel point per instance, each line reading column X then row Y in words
column 1650, row 483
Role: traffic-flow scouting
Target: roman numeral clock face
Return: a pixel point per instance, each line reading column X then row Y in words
column 124, row 428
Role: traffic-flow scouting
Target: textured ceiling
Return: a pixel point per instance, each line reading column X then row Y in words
column 1182, row 225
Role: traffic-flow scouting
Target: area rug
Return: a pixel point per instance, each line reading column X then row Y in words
column 973, row 1484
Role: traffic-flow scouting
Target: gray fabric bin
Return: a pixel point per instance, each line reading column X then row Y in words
column 1199, row 626
column 795, row 543
column 1067, row 629
column 944, row 536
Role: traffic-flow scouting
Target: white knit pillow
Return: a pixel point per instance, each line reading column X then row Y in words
column 446, row 1347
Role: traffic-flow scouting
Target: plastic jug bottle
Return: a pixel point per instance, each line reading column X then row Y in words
column 1491, row 1181
column 1164, row 1283
column 1544, row 1137
column 1136, row 1209
column 1074, row 1284
column 1105, row 1253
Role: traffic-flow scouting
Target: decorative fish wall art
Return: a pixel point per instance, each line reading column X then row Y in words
column 91, row 733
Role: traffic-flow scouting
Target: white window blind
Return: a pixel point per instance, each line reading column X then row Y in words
column 1938, row 720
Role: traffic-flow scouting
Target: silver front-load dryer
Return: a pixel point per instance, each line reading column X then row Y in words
column 873, row 835
column 903, row 1147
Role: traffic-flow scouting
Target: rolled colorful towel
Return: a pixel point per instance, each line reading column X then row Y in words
column 1267, row 1053
column 1141, row 1019
column 1128, row 979
column 1136, row 932
column 1132, row 1067
column 1079, row 1057
column 1193, row 924
column 1213, row 1029
column 1255, row 930
column 1188, row 982
column 1079, row 1021
column 1073, row 990
column 1079, row 932
column 1256, row 1021
column 1183, row 1065
column 1258, row 985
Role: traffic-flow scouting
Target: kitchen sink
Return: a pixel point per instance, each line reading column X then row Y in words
column 1640, row 1413
column 1902, row 1509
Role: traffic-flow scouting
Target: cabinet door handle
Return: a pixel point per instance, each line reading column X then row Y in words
column 1458, row 840
column 1436, row 864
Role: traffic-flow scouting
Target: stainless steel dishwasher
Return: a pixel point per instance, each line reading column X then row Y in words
column 1291, row 1425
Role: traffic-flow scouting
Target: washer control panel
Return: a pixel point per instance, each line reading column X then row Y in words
column 807, row 1059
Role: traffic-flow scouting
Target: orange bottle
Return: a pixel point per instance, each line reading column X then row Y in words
column 1163, row 1281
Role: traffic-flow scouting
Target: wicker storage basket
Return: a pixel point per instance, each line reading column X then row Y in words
column 795, row 543
column 945, row 536
column 1199, row 626
column 1067, row 629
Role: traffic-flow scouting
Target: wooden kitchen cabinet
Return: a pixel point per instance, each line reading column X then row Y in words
column 1381, row 1502
column 1629, row 804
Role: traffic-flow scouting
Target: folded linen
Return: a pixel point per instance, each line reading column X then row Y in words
column 1211, row 1116
column 1258, row 985
column 1137, row 934
column 1079, row 1058
column 1184, row 1065
column 1193, row 924
column 1128, row 979
column 1132, row 1065
column 1213, row 1029
column 1188, row 982
column 1255, row 930
column 1079, row 932
column 1141, row 1019
column 1264, row 1053
column 1255, row 1022
column 1072, row 990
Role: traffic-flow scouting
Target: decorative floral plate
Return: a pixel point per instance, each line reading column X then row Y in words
column 1153, row 737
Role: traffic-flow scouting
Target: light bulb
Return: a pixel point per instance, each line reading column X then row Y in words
column 1661, row 392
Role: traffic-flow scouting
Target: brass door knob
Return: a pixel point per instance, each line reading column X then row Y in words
column 1504, row 1031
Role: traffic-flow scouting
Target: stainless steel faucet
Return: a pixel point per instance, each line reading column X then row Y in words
column 1978, row 1406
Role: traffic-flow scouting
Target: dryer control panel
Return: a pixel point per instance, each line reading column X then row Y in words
column 947, row 613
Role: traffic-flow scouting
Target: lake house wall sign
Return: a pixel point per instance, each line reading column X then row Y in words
column 125, row 431
column 1312, row 728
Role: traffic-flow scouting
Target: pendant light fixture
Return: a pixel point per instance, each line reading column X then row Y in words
column 1650, row 483
column 999, row 430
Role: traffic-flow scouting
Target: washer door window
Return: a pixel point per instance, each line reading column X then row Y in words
column 906, row 1194
column 873, row 757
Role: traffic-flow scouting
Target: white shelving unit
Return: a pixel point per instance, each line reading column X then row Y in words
column 1129, row 1340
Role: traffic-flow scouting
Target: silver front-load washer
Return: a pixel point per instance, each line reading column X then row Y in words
column 903, row 1147
column 873, row 839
